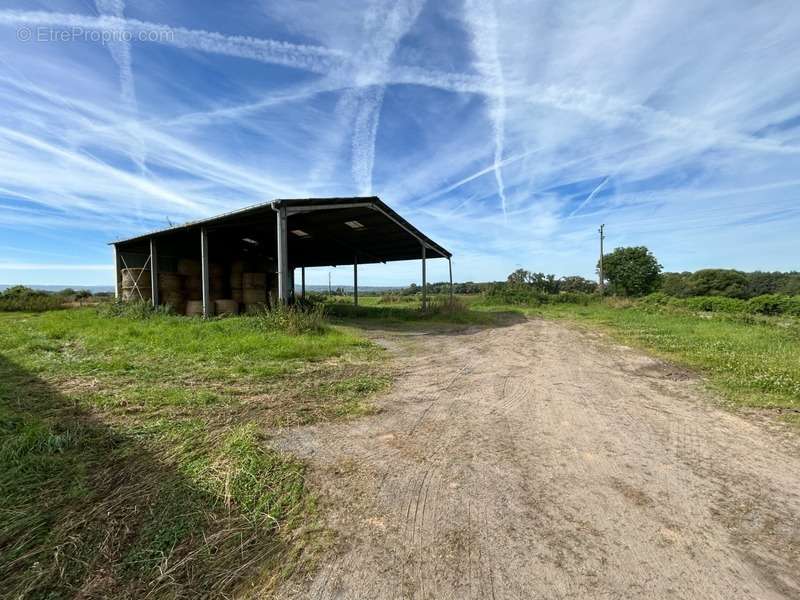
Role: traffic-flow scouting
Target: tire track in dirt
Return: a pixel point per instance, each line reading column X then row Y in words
column 537, row 461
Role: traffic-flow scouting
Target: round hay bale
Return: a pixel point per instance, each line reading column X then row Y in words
column 195, row 308
column 254, row 280
column 174, row 299
column 131, row 276
column 134, row 294
column 237, row 294
column 253, row 296
column 189, row 266
column 169, row 282
column 226, row 306
column 235, row 280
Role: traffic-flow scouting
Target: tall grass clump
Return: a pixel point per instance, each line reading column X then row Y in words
column 140, row 309
column 294, row 320
column 446, row 306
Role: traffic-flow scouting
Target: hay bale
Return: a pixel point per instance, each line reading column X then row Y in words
column 235, row 280
column 134, row 294
column 226, row 306
column 195, row 308
column 189, row 266
column 237, row 294
column 254, row 296
column 170, row 282
column 130, row 277
column 254, row 280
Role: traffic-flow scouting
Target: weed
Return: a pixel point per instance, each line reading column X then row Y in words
column 132, row 310
column 294, row 320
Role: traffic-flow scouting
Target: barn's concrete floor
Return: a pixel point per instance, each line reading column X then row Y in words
column 537, row 461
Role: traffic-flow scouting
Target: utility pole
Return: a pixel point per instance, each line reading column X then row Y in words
column 602, row 237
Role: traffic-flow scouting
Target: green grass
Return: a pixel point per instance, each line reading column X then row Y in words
column 752, row 362
column 136, row 453
column 393, row 311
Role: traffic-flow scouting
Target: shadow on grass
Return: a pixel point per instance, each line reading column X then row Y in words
column 93, row 511
column 414, row 320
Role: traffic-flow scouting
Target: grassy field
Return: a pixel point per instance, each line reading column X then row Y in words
column 751, row 361
column 136, row 453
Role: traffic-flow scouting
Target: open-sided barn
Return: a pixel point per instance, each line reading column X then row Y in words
column 248, row 257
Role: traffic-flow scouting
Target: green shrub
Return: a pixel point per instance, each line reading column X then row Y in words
column 774, row 304
column 656, row 299
column 140, row 309
column 713, row 304
column 23, row 299
column 514, row 294
column 294, row 320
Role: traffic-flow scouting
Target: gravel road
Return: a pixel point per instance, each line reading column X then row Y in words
column 540, row 461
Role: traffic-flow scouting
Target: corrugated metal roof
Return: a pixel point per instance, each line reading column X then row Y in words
column 294, row 206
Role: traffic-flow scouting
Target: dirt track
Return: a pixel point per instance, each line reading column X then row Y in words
column 536, row 461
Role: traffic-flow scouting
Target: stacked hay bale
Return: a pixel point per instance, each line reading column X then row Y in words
column 194, row 308
column 254, row 290
column 237, row 272
column 136, row 285
column 193, row 282
column 226, row 306
column 216, row 281
column 171, row 291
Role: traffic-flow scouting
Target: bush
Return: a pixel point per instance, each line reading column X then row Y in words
column 656, row 299
column 718, row 282
column 23, row 299
column 774, row 304
column 294, row 320
column 132, row 310
column 714, row 304
column 502, row 293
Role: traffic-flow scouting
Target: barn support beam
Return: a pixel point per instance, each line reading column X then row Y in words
column 424, row 281
column 153, row 272
column 450, row 269
column 355, row 280
column 283, row 256
column 117, row 271
column 204, row 272
column 303, row 282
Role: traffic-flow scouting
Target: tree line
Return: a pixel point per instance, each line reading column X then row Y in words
column 635, row 271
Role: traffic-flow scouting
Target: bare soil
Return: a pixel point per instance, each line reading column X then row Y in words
column 540, row 461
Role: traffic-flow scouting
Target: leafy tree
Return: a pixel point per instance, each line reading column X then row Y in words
column 632, row 271
column 676, row 284
column 718, row 282
column 519, row 277
column 576, row 283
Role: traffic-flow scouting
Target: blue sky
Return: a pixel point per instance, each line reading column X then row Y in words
column 506, row 130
